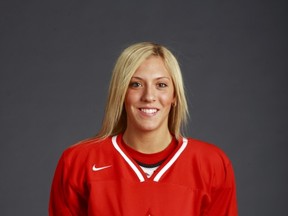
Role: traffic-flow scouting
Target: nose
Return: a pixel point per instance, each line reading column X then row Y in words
column 148, row 94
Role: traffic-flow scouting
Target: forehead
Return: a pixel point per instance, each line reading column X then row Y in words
column 152, row 67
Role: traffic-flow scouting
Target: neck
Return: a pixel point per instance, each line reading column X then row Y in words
column 147, row 142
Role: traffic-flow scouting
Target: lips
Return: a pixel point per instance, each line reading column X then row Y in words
column 148, row 111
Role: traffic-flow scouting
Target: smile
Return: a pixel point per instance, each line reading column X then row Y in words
column 149, row 111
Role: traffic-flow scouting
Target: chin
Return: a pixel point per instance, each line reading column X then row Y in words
column 147, row 128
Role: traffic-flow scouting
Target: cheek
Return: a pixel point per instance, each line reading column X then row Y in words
column 130, row 98
column 167, row 99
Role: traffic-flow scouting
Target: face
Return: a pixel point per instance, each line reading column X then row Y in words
column 149, row 97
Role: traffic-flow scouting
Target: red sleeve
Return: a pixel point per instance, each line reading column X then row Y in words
column 223, row 195
column 65, row 199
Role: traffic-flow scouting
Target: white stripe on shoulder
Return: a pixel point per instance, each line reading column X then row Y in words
column 173, row 159
column 126, row 158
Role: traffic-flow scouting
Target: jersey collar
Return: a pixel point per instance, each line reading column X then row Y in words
column 162, row 169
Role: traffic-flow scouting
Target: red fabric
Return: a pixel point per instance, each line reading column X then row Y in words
column 200, row 182
column 149, row 158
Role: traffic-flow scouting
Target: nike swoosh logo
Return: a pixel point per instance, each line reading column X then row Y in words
column 94, row 168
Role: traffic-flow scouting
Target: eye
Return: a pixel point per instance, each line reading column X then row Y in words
column 135, row 84
column 162, row 85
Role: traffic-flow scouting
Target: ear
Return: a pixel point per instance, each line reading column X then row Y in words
column 174, row 102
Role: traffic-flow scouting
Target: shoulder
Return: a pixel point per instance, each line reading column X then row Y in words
column 211, row 161
column 206, row 152
column 84, row 148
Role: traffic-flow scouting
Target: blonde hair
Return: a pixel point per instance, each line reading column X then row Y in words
column 115, row 119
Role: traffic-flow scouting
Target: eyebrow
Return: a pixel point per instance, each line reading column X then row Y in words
column 158, row 78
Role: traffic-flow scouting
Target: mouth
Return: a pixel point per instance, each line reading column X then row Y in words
column 148, row 111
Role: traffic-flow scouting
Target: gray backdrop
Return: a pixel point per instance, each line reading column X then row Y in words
column 56, row 61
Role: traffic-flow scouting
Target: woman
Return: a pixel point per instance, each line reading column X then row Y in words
column 139, row 163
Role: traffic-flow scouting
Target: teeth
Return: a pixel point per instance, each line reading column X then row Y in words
column 149, row 111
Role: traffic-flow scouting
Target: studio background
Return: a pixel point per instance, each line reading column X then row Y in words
column 56, row 59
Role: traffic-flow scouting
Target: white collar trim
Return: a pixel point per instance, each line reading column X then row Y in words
column 161, row 172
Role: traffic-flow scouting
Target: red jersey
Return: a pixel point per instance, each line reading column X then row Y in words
column 100, row 178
